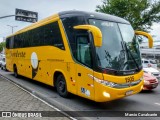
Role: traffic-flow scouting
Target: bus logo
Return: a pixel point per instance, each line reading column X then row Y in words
column 34, row 60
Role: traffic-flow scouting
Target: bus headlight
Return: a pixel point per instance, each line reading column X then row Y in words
column 106, row 83
column 146, row 82
column 106, row 94
column 117, row 85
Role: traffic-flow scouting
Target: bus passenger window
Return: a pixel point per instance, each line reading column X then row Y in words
column 83, row 50
column 7, row 42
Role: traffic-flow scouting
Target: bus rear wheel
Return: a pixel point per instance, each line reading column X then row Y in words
column 15, row 72
column 61, row 86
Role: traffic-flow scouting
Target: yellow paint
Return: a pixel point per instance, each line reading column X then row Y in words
column 97, row 35
column 150, row 39
column 113, row 92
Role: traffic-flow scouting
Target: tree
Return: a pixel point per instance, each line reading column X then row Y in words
column 2, row 45
column 140, row 13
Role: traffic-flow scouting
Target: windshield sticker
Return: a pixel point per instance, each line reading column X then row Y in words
column 107, row 24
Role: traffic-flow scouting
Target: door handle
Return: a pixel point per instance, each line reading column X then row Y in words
column 79, row 74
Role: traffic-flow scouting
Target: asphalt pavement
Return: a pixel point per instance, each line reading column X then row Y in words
column 144, row 101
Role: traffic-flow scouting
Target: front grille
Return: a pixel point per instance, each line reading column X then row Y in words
column 126, row 85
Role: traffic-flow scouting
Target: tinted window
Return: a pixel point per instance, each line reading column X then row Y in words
column 11, row 43
column 145, row 61
column 83, row 50
column 7, row 42
column 69, row 23
column 45, row 35
column 53, row 36
column 110, row 54
column 27, row 39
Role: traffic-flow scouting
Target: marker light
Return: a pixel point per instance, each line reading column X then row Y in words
column 106, row 94
column 105, row 82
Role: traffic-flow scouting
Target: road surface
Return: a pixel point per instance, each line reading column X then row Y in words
column 144, row 101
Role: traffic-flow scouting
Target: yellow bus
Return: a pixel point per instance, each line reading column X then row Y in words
column 92, row 55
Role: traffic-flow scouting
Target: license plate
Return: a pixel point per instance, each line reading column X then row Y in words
column 130, row 92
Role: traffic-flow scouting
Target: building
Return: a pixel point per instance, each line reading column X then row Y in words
column 150, row 52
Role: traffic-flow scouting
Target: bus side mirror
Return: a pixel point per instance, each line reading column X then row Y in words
column 150, row 39
column 97, row 35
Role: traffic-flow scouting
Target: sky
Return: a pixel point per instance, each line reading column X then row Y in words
column 47, row 8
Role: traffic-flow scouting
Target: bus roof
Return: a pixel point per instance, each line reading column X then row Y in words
column 95, row 15
column 70, row 13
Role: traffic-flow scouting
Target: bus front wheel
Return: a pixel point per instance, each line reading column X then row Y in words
column 61, row 86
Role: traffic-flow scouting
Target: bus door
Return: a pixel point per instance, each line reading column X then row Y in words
column 84, row 73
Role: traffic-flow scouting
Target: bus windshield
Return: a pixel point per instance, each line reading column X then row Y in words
column 120, row 47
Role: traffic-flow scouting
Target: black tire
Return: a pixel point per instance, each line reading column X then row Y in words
column 6, row 69
column 61, row 86
column 15, row 72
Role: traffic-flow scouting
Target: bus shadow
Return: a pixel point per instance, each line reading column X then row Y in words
column 147, row 91
column 37, row 83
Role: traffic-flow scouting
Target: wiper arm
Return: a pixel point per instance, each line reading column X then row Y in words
column 131, row 56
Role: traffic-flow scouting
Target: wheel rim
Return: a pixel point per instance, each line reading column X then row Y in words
column 61, row 86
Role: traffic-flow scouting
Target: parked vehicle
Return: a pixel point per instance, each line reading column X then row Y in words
column 152, row 71
column 3, row 63
column 1, row 57
column 0, row 61
column 150, row 82
column 149, row 63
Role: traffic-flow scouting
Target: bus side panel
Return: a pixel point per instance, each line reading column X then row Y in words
column 26, row 69
column 21, row 67
column 70, row 66
column 72, row 81
column 9, row 63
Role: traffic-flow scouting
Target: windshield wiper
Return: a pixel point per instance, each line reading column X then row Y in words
column 128, row 51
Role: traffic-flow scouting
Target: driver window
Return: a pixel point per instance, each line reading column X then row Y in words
column 83, row 50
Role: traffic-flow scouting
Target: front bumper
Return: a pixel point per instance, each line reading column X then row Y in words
column 114, row 93
column 150, row 86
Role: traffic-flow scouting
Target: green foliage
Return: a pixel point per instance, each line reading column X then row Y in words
column 140, row 13
column 2, row 44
